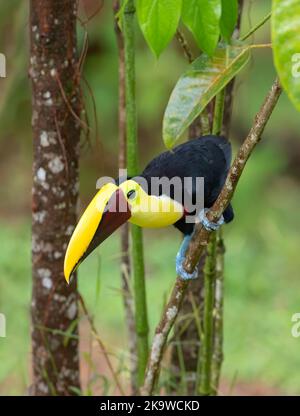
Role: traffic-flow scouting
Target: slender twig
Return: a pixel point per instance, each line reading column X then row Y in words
column 84, row 50
column 206, row 356
column 161, row 334
column 208, row 321
column 100, row 343
column 230, row 87
column 125, row 259
column 217, row 358
column 137, row 253
column 218, row 113
column 94, row 110
column 65, row 98
column 256, row 27
column 203, row 121
column 94, row 13
column 201, row 236
column 186, row 49
column 261, row 46
column 81, row 62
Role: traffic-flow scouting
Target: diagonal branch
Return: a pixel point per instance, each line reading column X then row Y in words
column 201, row 237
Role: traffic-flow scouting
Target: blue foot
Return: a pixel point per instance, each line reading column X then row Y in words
column 209, row 225
column 180, row 257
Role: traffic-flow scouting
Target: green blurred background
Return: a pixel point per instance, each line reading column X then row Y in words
column 262, row 262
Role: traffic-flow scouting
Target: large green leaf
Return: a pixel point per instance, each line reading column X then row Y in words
column 202, row 17
column 158, row 21
column 286, row 46
column 205, row 78
column 228, row 18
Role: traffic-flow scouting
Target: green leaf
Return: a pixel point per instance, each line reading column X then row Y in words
column 204, row 79
column 202, row 17
column 228, row 18
column 158, row 21
column 286, row 46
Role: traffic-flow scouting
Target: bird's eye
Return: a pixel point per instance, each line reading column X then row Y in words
column 131, row 194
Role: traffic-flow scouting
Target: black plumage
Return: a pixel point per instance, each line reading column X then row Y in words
column 208, row 157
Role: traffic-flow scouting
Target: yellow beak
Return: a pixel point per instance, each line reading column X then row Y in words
column 107, row 211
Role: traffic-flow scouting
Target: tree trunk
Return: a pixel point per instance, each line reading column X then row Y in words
column 56, row 134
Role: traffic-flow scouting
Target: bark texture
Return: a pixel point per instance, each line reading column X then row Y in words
column 56, row 134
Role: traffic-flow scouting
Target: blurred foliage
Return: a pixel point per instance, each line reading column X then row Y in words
column 262, row 262
column 285, row 40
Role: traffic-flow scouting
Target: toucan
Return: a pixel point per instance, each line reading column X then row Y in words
column 138, row 201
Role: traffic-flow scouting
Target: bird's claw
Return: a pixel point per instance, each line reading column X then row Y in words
column 184, row 275
column 180, row 258
column 209, row 225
